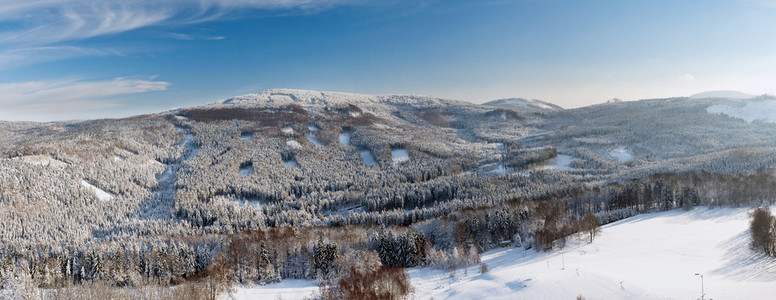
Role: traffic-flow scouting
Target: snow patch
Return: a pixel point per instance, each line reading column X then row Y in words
column 246, row 136
column 368, row 158
column 560, row 162
column 246, row 169
column 294, row 144
column 621, row 154
column 314, row 139
column 399, row 155
column 287, row 289
column 313, row 127
column 344, row 138
column 102, row 195
column 291, row 163
column 250, row 202
column 764, row 111
column 287, row 130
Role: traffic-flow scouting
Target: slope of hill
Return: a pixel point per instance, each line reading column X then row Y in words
column 288, row 170
column 650, row 256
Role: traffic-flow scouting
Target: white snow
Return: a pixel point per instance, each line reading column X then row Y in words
column 621, row 154
column 503, row 115
column 653, row 256
column 399, row 156
column 287, row 130
column 102, row 195
column 314, row 139
column 293, row 144
column 560, row 162
column 291, row 163
column 344, row 138
column 41, row 160
column 368, row 158
column 247, row 170
column 650, row 256
column 287, row 289
column 246, row 136
column 764, row 110
column 313, row 127
column 250, row 202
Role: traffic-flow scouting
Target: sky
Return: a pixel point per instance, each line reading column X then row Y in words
column 84, row 59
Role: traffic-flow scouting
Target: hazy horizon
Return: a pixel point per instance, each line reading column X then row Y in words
column 96, row 59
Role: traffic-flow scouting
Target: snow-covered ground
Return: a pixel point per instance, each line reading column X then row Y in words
column 314, row 139
column 102, row 195
column 650, row 256
column 246, row 170
column 764, row 110
column 560, row 162
column 399, row 156
column 621, row 154
column 246, row 136
column 287, row 130
column 368, row 158
column 294, row 144
column 344, row 138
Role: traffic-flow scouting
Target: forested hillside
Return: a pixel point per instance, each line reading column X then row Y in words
column 342, row 187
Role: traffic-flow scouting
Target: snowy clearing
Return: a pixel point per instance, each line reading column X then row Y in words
column 41, row 160
column 102, row 195
column 246, row 170
column 294, row 144
column 246, row 136
column 290, row 163
column 620, row 154
column 764, row 111
column 368, row 158
column 560, row 162
column 399, row 156
column 649, row 256
column 286, row 289
column 314, row 139
column 344, row 138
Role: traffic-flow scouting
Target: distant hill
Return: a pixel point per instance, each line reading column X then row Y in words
column 523, row 103
column 722, row 94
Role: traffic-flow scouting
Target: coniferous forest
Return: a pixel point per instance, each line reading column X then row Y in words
column 350, row 189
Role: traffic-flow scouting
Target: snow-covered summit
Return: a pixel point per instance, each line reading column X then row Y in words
column 523, row 103
column 306, row 97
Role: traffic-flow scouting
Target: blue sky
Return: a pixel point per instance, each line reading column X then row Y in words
column 66, row 59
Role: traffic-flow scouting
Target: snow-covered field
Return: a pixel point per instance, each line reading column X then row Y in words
column 399, row 156
column 368, row 157
column 560, row 162
column 621, row 154
column 102, row 195
column 344, row 138
column 650, row 256
column 764, row 110
column 314, row 139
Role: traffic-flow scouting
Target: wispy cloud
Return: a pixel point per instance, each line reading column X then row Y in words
column 30, row 100
column 37, row 22
column 33, row 31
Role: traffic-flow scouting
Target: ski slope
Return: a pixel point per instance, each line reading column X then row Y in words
column 650, row 256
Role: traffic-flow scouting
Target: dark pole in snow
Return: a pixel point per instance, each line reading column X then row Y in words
column 703, row 294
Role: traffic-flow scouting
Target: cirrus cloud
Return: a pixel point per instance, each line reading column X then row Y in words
column 36, row 100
